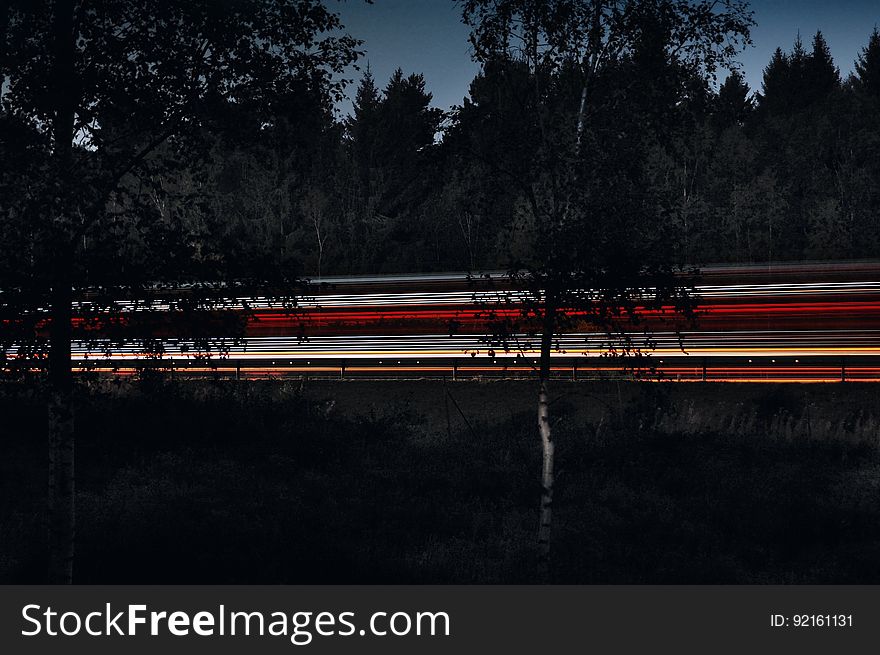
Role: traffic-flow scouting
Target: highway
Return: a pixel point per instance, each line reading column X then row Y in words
column 800, row 322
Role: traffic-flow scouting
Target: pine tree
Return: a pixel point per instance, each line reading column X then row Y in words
column 821, row 77
column 798, row 88
column 867, row 67
column 390, row 136
column 733, row 103
column 406, row 128
column 797, row 80
column 776, row 86
column 408, row 121
column 362, row 126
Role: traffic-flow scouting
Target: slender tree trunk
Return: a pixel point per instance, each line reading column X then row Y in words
column 546, row 514
column 581, row 114
column 548, row 447
column 61, row 516
column 62, row 488
column 588, row 66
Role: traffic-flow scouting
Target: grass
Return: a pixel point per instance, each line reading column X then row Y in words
column 274, row 483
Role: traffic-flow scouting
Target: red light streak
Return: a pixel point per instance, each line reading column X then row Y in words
column 788, row 312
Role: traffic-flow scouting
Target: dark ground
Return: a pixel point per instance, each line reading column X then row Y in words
column 370, row 482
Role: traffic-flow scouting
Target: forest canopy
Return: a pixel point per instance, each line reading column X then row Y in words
column 285, row 186
column 789, row 171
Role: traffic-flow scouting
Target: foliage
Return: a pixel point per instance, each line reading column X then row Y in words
column 144, row 87
column 265, row 186
column 597, row 87
column 867, row 67
column 117, row 114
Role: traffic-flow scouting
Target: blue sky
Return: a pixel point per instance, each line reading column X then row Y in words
column 426, row 36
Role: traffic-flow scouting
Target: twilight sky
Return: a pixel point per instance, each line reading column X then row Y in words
column 426, row 36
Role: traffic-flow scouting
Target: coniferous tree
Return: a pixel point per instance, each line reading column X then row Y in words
column 390, row 139
column 821, row 77
column 867, row 67
column 408, row 125
column 733, row 104
column 404, row 151
column 793, row 82
column 774, row 97
column 490, row 140
column 797, row 62
column 362, row 127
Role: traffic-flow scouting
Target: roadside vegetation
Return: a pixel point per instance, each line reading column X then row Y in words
column 284, row 482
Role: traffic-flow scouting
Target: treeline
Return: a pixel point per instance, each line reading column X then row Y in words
column 792, row 172
column 789, row 172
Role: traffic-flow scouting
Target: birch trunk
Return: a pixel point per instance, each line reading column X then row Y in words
column 547, row 446
column 546, row 514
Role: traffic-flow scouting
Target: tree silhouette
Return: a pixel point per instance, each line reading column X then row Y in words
column 362, row 126
column 119, row 94
column 821, row 75
column 734, row 104
column 775, row 95
column 794, row 82
column 595, row 252
column 867, row 67
column 391, row 141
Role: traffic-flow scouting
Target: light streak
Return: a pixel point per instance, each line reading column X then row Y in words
column 360, row 325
